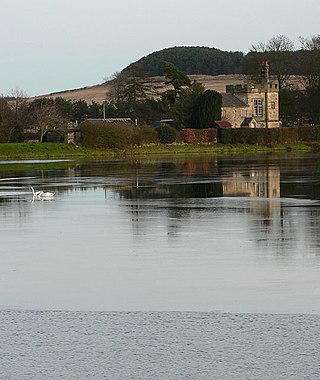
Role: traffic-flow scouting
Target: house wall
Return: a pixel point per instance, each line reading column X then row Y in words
column 270, row 100
column 269, row 97
column 235, row 115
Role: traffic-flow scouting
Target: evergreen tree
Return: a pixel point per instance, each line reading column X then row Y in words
column 312, row 77
column 177, row 78
column 206, row 109
column 184, row 104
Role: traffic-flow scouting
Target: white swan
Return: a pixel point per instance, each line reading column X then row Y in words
column 42, row 194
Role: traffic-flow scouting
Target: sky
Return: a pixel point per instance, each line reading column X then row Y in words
column 55, row 45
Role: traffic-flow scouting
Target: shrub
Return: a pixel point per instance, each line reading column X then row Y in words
column 198, row 136
column 148, row 135
column 317, row 132
column 188, row 136
column 212, row 135
column 166, row 134
column 284, row 135
column 102, row 135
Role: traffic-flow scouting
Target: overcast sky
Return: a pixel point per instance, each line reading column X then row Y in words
column 53, row 45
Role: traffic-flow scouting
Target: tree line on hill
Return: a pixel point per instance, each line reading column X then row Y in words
column 279, row 51
column 187, row 102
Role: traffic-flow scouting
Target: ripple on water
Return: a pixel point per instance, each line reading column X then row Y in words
column 157, row 345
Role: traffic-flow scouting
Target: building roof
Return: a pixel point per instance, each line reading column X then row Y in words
column 247, row 121
column 229, row 100
column 111, row 120
column 223, row 124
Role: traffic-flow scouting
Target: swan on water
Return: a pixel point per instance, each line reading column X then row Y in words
column 42, row 194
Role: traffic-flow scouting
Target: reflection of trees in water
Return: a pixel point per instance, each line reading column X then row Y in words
column 291, row 227
column 176, row 191
column 14, row 208
column 178, row 187
column 273, row 224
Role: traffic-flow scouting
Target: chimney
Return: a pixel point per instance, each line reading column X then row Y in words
column 264, row 75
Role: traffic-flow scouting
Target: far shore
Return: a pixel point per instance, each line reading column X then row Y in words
column 18, row 151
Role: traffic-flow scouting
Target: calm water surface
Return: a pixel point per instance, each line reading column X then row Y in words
column 169, row 234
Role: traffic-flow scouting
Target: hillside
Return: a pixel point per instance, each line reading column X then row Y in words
column 192, row 60
column 156, row 85
column 99, row 93
column 212, row 67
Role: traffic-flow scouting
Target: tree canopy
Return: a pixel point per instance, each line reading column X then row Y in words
column 206, row 109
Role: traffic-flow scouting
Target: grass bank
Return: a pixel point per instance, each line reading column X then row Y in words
column 54, row 150
column 47, row 150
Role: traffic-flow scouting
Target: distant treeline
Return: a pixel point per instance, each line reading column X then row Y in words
column 212, row 61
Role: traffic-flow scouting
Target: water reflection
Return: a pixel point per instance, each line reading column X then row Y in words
column 207, row 230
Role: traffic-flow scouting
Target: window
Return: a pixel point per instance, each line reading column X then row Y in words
column 243, row 113
column 273, row 105
column 223, row 113
column 257, row 107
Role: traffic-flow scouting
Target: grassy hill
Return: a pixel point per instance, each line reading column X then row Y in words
column 212, row 67
column 192, row 60
column 99, row 93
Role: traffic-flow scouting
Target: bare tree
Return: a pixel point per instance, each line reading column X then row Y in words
column 312, row 75
column 280, row 43
column 47, row 117
column 117, row 81
column 15, row 119
column 277, row 50
column 312, row 43
column 6, row 120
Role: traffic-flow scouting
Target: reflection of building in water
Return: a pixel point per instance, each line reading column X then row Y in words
column 255, row 183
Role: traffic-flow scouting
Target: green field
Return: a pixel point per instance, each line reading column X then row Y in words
column 55, row 150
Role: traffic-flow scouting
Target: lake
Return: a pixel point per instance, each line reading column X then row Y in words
column 161, row 268
column 232, row 234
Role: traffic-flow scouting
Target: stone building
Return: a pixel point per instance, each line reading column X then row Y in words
column 253, row 105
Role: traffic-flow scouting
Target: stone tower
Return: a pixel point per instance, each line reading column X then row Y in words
column 261, row 100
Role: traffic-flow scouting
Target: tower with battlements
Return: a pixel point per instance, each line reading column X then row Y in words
column 253, row 105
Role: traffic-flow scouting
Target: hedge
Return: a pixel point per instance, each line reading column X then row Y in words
column 166, row 134
column 121, row 136
column 289, row 135
column 199, row 136
column 116, row 136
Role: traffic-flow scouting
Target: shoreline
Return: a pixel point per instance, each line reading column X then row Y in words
column 10, row 151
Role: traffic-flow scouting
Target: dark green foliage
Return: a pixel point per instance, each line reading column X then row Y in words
column 206, row 109
column 185, row 103
column 69, row 109
column 166, row 134
column 211, row 61
column 176, row 77
column 147, row 110
column 196, row 190
column 192, row 60
column 107, row 136
column 293, row 107
column 270, row 136
column 146, row 135
column 313, row 100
